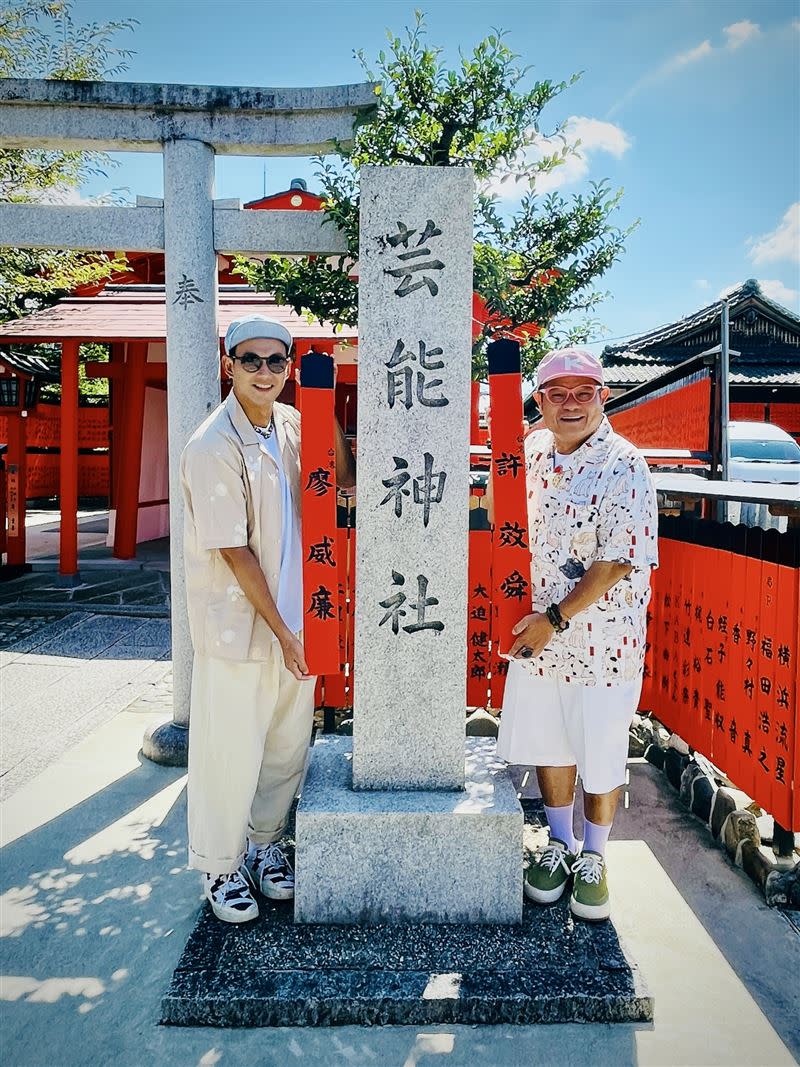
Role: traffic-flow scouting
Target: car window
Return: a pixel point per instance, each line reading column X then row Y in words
column 766, row 451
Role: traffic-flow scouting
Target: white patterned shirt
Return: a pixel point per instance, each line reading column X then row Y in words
column 600, row 506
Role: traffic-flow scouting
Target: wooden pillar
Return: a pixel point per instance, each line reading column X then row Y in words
column 116, row 396
column 16, row 477
column 130, row 461
column 69, row 457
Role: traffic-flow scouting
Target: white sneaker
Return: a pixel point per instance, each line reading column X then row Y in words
column 271, row 871
column 230, row 897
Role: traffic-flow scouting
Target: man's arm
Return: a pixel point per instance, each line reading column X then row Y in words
column 597, row 581
column 535, row 631
column 248, row 574
column 345, row 460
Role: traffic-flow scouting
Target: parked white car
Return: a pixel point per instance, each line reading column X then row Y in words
column 761, row 452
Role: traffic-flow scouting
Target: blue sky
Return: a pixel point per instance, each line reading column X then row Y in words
column 693, row 106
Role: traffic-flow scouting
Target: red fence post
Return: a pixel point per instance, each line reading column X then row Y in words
column 724, row 639
column 320, row 540
column 479, row 607
column 511, row 559
column 16, row 482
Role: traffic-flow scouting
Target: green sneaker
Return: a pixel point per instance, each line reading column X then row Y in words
column 550, row 869
column 589, row 898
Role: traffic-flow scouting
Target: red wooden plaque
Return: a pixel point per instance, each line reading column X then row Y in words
column 511, row 562
column 320, row 539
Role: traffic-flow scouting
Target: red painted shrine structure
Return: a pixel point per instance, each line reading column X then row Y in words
column 722, row 654
column 121, row 451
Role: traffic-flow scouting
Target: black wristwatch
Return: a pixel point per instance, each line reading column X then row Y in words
column 556, row 619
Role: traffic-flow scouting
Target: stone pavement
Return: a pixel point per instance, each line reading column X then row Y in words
column 111, row 589
column 61, row 676
column 96, row 903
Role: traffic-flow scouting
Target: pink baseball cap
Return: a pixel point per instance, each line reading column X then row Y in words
column 569, row 362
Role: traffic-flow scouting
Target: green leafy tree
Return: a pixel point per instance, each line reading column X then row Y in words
column 537, row 266
column 40, row 39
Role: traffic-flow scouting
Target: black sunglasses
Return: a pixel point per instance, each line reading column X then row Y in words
column 253, row 363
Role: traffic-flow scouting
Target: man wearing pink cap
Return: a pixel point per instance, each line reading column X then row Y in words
column 576, row 671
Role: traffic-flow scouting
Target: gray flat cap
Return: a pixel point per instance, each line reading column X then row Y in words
column 253, row 327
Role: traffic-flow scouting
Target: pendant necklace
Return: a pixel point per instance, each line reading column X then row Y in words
column 266, row 431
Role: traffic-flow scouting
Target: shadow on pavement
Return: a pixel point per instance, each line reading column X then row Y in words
column 96, row 908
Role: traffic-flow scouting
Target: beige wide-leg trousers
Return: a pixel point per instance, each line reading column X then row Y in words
column 249, row 732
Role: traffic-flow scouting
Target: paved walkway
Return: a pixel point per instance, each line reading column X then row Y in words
column 97, row 903
column 61, row 676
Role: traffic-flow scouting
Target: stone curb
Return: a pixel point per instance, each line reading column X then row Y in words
column 727, row 812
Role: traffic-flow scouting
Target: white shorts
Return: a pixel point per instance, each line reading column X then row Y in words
column 546, row 723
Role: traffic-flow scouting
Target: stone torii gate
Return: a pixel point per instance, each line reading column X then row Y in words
column 189, row 125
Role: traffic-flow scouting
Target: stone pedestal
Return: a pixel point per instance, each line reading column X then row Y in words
column 377, row 856
column 392, row 830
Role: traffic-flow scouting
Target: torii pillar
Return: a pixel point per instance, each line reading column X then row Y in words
column 189, row 124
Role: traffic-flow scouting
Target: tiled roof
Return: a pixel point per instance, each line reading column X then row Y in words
column 748, row 292
column 28, row 364
column 631, row 375
column 131, row 312
column 759, row 374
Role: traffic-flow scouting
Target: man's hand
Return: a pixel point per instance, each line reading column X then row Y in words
column 295, row 658
column 533, row 632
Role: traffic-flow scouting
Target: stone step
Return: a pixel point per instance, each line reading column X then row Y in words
column 273, row 972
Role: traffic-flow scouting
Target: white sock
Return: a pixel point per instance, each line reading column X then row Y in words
column 560, row 821
column 595, row 837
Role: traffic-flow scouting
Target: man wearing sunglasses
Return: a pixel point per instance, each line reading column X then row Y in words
column 576, row 665
column 252, row 696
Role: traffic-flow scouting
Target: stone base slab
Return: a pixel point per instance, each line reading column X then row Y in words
column 274, row 972
column 378, row 856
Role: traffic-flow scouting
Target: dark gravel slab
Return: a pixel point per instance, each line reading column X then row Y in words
column 548, row 969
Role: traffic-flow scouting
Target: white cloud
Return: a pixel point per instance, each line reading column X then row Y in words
column 776, row 290
column 702, row 283
column 736, row 34
column 68, row 196
column 782, row 243
column 771, row 288
column 739, row 33
column 594, row 136
column 683, row 59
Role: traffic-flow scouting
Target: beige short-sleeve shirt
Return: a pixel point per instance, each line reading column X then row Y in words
column 232, row 496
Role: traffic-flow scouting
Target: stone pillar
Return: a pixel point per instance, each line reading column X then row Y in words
column 193, row 386
column 403, row 833
column 414, row 351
